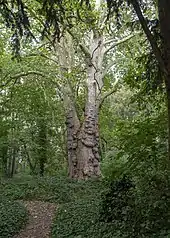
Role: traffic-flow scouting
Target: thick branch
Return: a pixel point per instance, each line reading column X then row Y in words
column 116, row 43
column 149, row 35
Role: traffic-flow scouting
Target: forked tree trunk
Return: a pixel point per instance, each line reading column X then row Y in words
column 83, row 138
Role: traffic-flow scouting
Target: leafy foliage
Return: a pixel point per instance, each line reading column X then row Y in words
column 137, row 211
column 53, row 189
column 12, row 217
column 76, row 219
column 116, row 200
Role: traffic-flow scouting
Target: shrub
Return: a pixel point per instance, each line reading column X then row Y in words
column 137, row 211
column 12, row 217
column 60, row 190
column 116, row 201
column 78, row 219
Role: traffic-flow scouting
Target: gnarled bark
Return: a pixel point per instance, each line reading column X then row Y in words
column 83, row 140
column 73, row 126
column 83, row 155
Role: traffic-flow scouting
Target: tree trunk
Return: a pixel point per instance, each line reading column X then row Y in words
column 82, row 145
column 82, row 136
column 42, row 143
column 31, row 166
column 164, row 17
column 88, row 142
column 14, row 151
column 168, row 112
column 5, row 160
column 73, row 126
column 83, row 140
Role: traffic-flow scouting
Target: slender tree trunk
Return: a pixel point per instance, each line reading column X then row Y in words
column 13, row 161
column 5, row 160
column 4, row 151
column 32, row 167
column 42, row 143
column 9, row 165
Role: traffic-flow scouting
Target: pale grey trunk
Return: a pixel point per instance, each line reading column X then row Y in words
column 83, row 138
column 88, row 164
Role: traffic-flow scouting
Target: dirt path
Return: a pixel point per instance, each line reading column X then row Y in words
column 39, row 224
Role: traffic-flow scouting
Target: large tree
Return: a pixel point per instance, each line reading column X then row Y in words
column 95, row 47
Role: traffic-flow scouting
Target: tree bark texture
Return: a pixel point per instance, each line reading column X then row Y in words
column 83, row 136
column 82, row 145
column 164, row 17
column 83, row 150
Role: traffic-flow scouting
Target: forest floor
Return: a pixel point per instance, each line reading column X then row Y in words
column 41, row 215
column 42, row 197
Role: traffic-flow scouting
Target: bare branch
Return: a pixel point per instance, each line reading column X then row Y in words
column 20, row 75
column 24, row 74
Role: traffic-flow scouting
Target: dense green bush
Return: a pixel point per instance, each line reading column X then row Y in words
column 141, row 153
column 116, row 201
column 140, row 211
column 81, row 220
column 12, row 217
